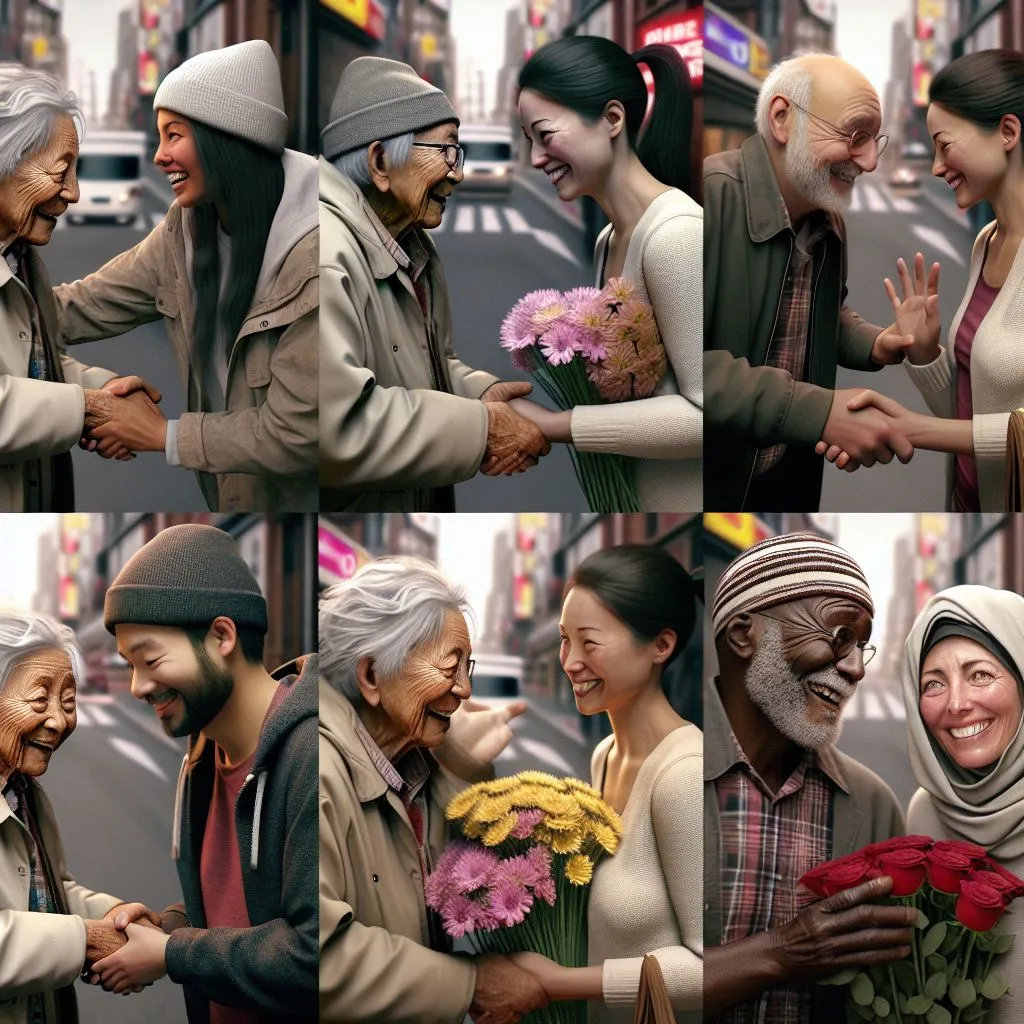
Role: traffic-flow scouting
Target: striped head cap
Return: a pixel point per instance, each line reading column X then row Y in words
column 787, row 568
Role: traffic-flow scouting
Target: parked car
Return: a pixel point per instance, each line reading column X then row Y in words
column 497, row 675
column 905, row 179
column 490, row 157
column 109, row 177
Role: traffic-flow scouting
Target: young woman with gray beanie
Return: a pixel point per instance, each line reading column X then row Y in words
column 233, row 272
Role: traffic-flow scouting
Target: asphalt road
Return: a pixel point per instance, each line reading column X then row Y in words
column 112, row 789
column 495, row 250
column 881, row 227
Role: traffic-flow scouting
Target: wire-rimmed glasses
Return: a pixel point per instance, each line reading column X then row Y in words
column 857, row 142
column 843, row 639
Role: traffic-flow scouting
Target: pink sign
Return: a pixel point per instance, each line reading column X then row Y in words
column 336, row 556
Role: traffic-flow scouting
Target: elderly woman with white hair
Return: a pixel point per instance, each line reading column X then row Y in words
column 401, row 419
column 48, row 400
column 398, row 738
column 50, row 926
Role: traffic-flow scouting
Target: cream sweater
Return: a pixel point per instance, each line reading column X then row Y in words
column 664, row 433
column 648, row 898
column 997, row 376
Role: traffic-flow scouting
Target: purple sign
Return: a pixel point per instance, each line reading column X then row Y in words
column 732, row 44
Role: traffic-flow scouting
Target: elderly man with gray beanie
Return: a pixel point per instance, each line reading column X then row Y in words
column 402, row 419
column 189, row 618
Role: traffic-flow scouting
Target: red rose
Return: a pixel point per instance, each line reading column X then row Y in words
column 1016, row 885
column 979, row 906
column 816, row 878
column 947, row 869
column 996, row 881
column 972, row 850
column 874, row 850
column 852, row 871
column 906, row 868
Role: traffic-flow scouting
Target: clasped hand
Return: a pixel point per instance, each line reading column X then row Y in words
column 122, row 418
column 515, row 441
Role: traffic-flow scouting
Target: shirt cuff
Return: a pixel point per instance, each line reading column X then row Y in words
column 171, row 444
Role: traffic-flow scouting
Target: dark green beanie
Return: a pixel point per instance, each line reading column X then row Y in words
column 186, row 576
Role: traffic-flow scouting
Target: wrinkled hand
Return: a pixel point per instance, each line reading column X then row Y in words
column 864, row 435
column 125, row 914
column 101, row 939
column 481, row 731
column 845, row 930
column 513, row 443
column 118, row 425
column 504, row 993
column 122, row 387
column 140, row 962
column 546, row 971
column 506, row 390
column 917, row 315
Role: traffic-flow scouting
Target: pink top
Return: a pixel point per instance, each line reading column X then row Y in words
column 965, row 475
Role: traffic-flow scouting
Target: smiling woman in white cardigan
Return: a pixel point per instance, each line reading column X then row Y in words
column 627, row 614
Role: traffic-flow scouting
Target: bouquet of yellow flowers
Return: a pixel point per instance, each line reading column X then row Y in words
column 518, row 879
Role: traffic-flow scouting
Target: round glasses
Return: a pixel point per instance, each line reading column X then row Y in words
column 843, row 640
column 858, row 142
column 454, row 154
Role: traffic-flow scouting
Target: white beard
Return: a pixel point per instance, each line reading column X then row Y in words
column 810, row 179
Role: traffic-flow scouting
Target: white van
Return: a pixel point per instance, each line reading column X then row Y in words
column 497, row 675
column 109, row 177
column 490, row 156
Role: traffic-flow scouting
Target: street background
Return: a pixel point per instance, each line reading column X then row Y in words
column 112, row 783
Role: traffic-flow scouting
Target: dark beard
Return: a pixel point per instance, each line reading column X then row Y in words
column 205, row 698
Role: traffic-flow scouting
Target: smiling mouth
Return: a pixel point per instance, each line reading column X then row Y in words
column 831, row 697
column 177, row 177
column 50, row 217
column 965, row 732
column 849, row 179
column 955, row 183
column 40, row 745
column 558, row 173
column 582, row 689
column 439, row 198
column 443, row 716
column 160, row 702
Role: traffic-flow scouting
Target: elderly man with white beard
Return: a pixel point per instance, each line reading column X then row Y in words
column 776, row 327
column 792, row 619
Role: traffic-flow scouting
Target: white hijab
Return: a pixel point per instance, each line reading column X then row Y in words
column 983, row 807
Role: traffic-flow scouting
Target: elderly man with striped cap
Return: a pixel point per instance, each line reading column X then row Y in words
column 792, row 618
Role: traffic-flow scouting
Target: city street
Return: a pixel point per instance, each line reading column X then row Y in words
column 112, row 789
column 106, row 485
column 882, row 226
column 495, row 250
column 546, row 740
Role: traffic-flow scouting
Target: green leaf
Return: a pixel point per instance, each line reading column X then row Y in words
column 1003, row 943
column 937, row 964
column 863, row 1012
column 974, row 1012
column 918, row 1004
column 935, row 986
column 933, row 938
column 938, row 1015
column 862, row 990
column 922, row 921
column 881, row 1006
column 906, row 979
column 993, row 987
column 961, row 992
column 842, row 978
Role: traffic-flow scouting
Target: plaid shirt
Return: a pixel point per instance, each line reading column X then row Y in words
column 768, row 840
column 39, row 367
column 787, row 349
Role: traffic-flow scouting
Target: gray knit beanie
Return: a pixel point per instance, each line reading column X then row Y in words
column 236, row 89
column 186, row 576
column 379, row 98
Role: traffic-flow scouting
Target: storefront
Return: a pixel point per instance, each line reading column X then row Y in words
column 988, row 25
column 345, row 29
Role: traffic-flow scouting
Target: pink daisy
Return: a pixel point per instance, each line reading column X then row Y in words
column 510, row 903
column 459, row 916
column 526, row 821
column 520, row 328
column 546, row 890
column 476, row 869
column 561, row 342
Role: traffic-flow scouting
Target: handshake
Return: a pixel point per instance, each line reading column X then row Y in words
column 122, row 418
column 516, row 439
column 864, row 427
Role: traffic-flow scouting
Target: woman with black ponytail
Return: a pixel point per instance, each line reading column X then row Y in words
column 582, row 105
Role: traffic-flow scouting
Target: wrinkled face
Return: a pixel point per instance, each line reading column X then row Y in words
column 37, row 712
column 41, row 187
column 178, row 157
column 185, row 686
column 970, row 702
column 422, row 186
column 605, row 662
column 972, row 161
column 794, row 677
column 421, row 698
column 575, row 155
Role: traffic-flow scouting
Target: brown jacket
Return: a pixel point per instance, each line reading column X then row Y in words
column 260, row 454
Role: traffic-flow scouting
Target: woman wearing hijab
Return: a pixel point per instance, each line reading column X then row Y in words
column 963, row 688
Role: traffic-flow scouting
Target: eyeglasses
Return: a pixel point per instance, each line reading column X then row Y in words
column 857, row 143
column 454, row 155
column 843, row 640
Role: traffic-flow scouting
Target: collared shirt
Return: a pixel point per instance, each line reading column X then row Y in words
column 767, row 842
column 787, row 349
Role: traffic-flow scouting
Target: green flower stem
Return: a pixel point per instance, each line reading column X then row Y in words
column 915, row 943
column 895, row 993
column 967, row 957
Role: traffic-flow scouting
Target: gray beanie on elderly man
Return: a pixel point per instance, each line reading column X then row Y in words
column 186, row 576
column 236, row 89
column 379, row 98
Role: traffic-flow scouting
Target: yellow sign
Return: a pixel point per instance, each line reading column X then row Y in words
column 357, row 11
column 40, row 47
column 428, row 46
column 740, row 529
column 760, row 59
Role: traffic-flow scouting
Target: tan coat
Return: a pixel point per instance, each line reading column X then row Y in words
column 260, row 454
column 38, row 419
column 375, row 960
column 38, row 952
column 397, row 417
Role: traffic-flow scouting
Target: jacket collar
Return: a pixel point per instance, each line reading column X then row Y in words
column 339, row 723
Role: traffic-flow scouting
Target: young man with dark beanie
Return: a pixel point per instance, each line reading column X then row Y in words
column 190, row 619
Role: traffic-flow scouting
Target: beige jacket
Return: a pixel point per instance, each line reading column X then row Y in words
column 396, row 418
column 260, row 454
column 38, row 952
column 375, row 960
column 38, row 419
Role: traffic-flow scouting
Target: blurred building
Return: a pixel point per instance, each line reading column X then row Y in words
column 30, row 34
column 346, row 540
column 901, row 610
column 124, row 109
column 988, row 548
column 986, row 24
column 499, row 611
column 896, row 106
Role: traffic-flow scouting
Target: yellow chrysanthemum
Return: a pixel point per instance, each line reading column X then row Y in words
column 606, row 837
column 562, row 824
column 579, row 870
column 505, row 785
column 593, row 805
column 474, row 829
column 534, row 778
column 578, row 786
column 461, row 804
column 491, row 808
column 527, row 796
column 566, row 842
column 499, row 831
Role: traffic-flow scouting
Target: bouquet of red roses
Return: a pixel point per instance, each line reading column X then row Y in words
column 960, row 893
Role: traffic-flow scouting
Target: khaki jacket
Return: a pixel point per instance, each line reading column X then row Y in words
column 260, row 454
column 38, row 952
column 38, row 419
column 397, row 420
column 375, row 960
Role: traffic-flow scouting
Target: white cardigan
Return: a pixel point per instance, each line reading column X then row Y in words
column 664, row 433
column 997, row 376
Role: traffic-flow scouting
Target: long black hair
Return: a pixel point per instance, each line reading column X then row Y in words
column 247, row 182
column 982, row 87
column 585, row 73
column 645, row 588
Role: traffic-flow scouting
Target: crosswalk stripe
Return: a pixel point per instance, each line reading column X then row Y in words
column 937, row 240
column 876, row 204
column 517, row 222
column 491, row 220
column 464, row 220
column 896, row 706
column 873, row 706
column 856, row 203
column 901, row 204
column 135, row 753
column 84, row 717
column 102, row 716
column 543, row 753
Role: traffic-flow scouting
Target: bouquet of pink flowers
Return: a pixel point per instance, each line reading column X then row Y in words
column 518, row 880
column 960, row 894
column 590, row 347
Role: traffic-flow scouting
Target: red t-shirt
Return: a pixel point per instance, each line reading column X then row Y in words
column 220, row 866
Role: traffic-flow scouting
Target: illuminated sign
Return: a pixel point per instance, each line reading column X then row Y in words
column 684, row 31
column 338, row 557
column 740, row 529
column 365, row 14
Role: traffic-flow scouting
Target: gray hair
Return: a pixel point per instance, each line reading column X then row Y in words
column 386, row 610
column 25, row 633
column 790, row 79
column 355, row 166
column 30, row 101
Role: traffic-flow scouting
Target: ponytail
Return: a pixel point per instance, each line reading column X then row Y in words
column 665, row 146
